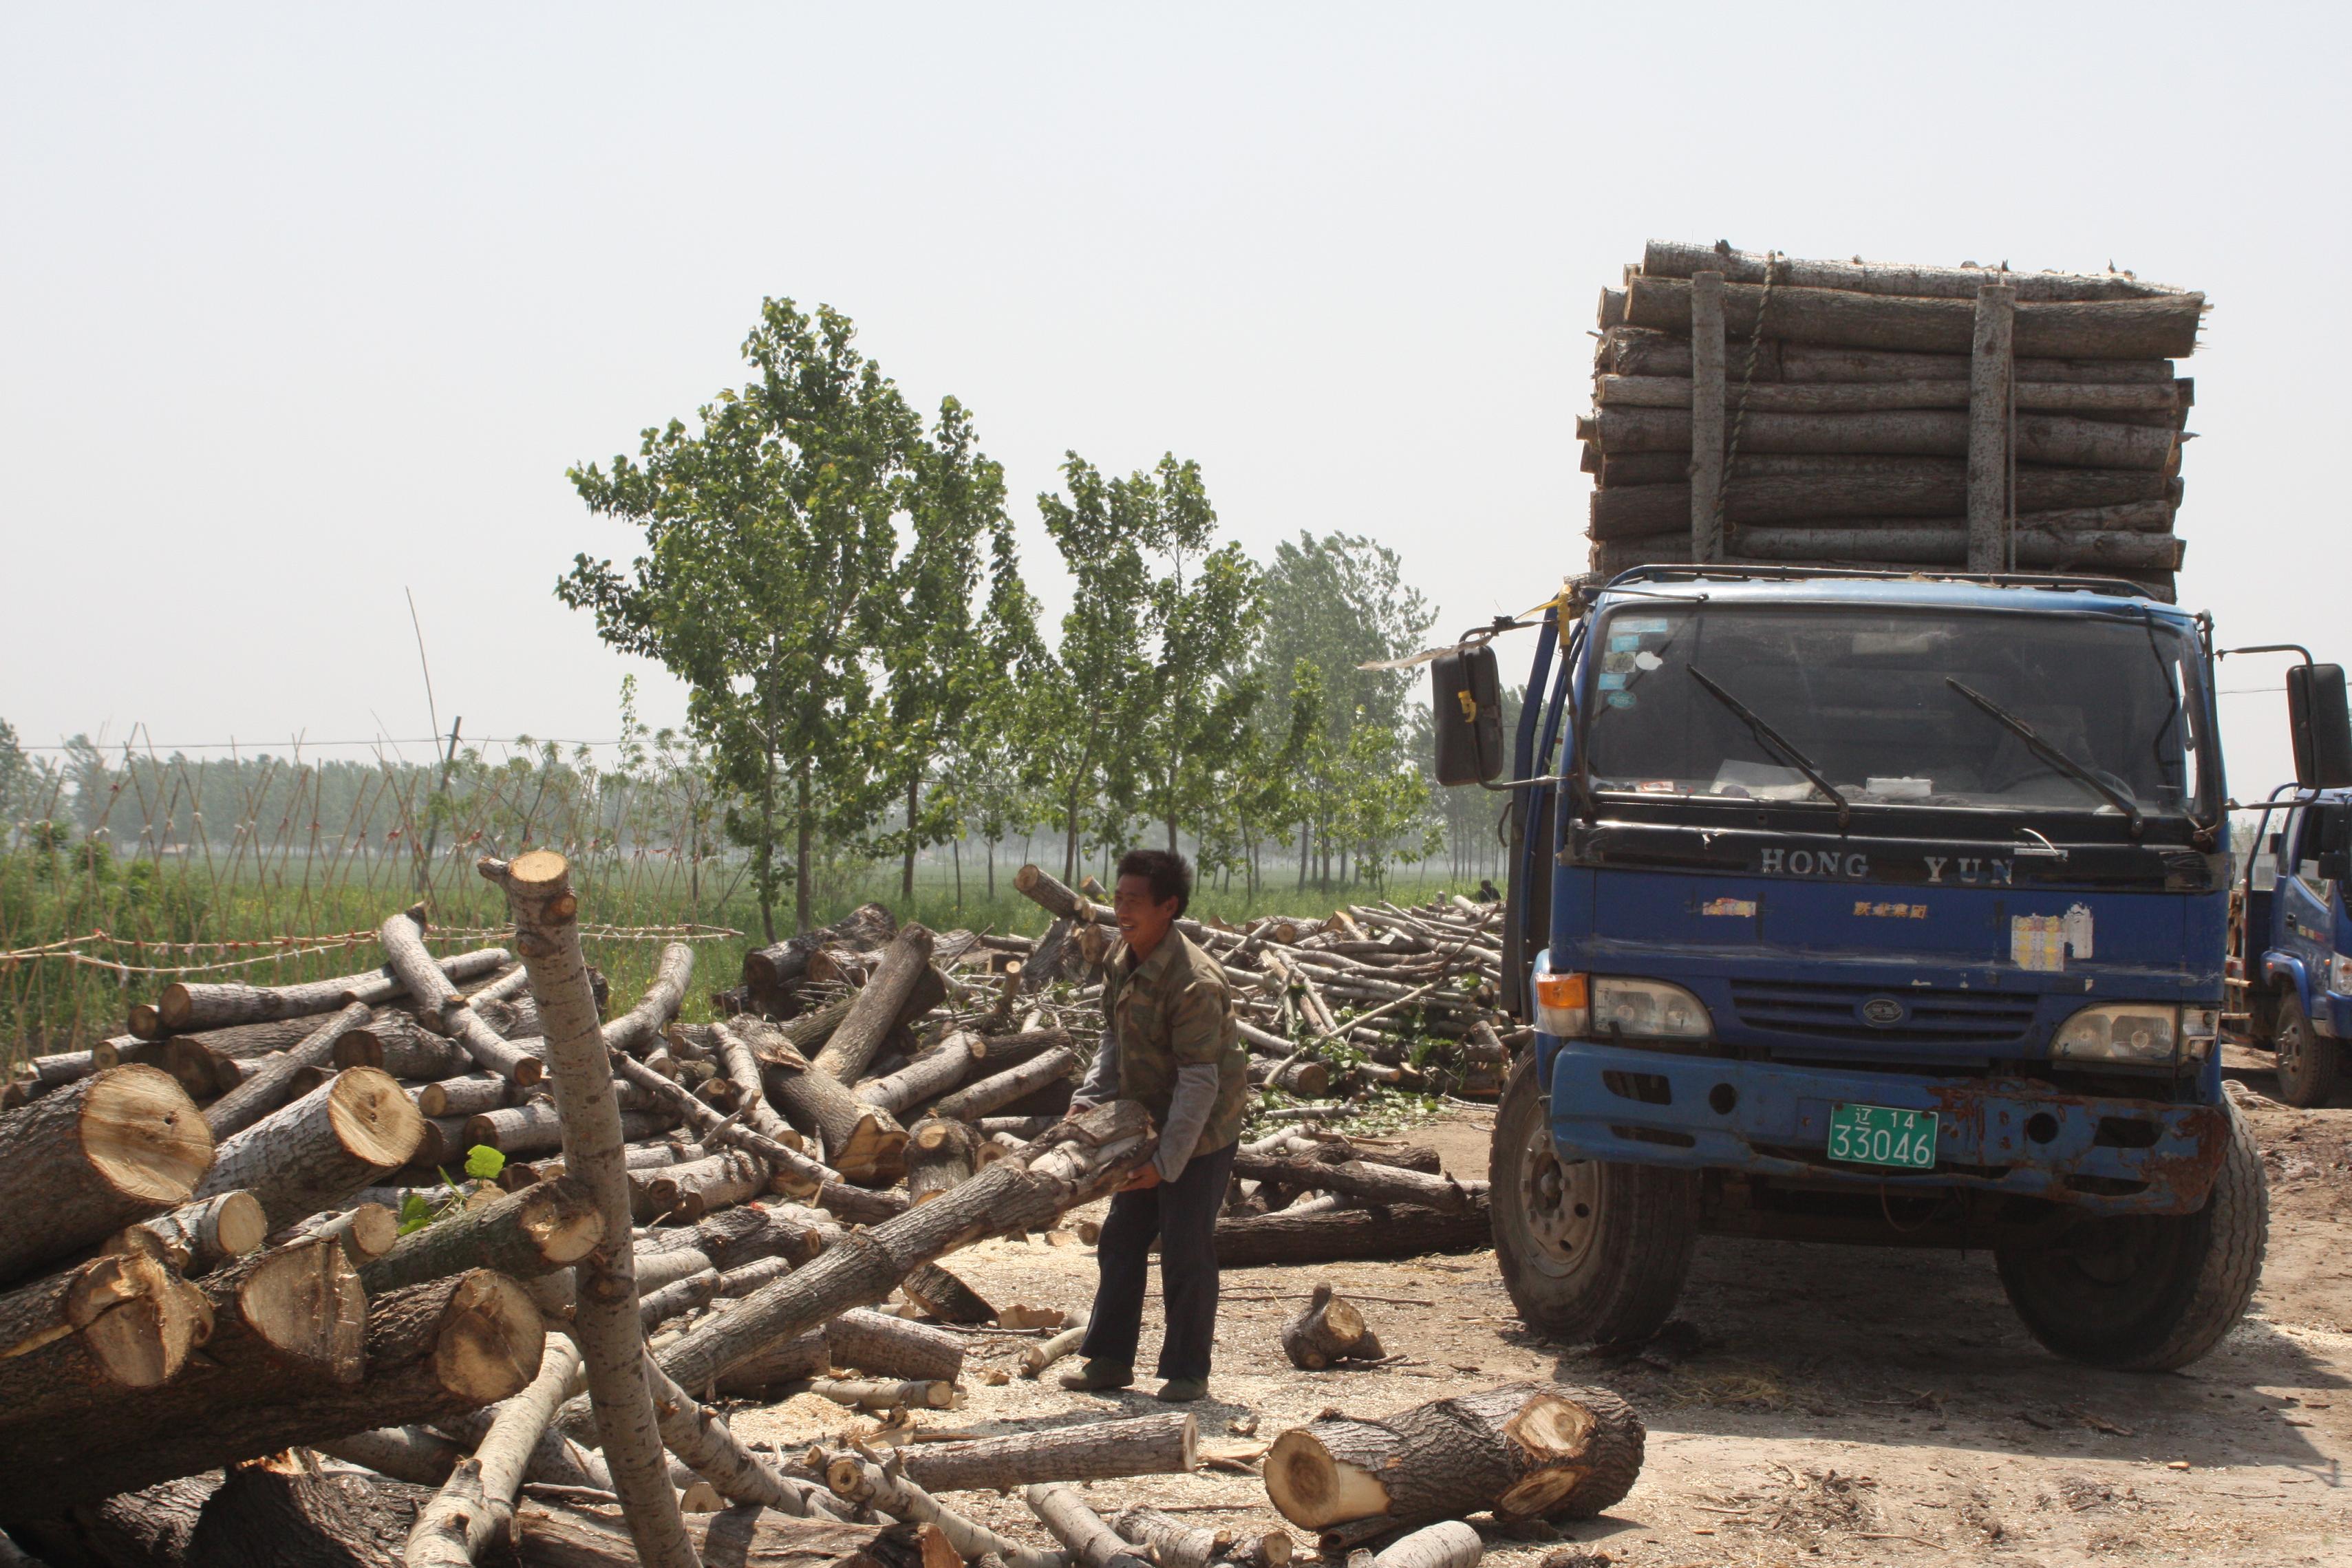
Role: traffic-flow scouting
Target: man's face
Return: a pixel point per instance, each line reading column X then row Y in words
column 1142, row 919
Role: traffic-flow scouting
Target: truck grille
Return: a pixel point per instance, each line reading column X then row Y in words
column 1836, row 1012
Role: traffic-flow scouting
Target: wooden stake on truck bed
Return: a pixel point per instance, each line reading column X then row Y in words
column 1706, row 416
column 1991, row 415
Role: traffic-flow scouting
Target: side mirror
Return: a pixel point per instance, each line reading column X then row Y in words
column 1466, row 698
column 2322, row 725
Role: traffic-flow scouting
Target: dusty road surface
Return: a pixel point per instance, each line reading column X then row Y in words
column 1810, row 1404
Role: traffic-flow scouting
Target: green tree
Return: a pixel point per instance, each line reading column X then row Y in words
column 767, row 579
column 1203, row 617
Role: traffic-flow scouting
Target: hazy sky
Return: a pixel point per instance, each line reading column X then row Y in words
column 300, row 308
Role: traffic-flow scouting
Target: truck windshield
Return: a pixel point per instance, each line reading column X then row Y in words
column 1897, row 707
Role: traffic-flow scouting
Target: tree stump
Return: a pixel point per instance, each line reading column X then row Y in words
column 1525, row 1450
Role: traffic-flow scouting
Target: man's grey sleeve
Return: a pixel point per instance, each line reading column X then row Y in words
column 1101, row 1085
column 1189, row 1108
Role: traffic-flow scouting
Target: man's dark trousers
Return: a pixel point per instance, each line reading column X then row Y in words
column 1182, row 1214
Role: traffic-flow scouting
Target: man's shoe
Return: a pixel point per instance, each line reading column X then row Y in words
column 1183, row 1390
column 1099, row 1376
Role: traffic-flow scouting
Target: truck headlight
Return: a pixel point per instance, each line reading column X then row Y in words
column 1562, row 1001
column 1649, row 1010
column 2144, row 1034
column 2339, row 975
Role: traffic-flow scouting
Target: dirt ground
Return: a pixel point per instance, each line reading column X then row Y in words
column 1811, row 1403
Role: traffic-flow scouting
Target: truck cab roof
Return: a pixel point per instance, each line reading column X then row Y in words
column 1944, row 591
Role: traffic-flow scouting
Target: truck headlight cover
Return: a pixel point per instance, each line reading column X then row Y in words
column 2339, row 975
column 1572, row 1006
column 2147, row 1034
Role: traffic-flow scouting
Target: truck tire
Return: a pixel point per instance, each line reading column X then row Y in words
column 2149, row 1292
column 1590, row 1249
column 2307, row 1065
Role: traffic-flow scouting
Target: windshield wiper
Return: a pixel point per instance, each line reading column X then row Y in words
column 2049, row 753
column 1768, row 736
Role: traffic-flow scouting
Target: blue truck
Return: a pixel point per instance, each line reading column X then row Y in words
column 1885, row 908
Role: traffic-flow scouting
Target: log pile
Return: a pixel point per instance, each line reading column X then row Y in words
column 1753, row 409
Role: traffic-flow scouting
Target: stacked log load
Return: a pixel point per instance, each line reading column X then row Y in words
column 1872, row 414
column 449, row 1252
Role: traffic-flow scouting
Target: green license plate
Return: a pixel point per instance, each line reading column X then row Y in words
column 1882, row 1135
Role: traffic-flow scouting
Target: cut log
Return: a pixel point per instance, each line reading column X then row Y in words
column 1171, row 1542
column 548, row 1225
column 1358, row 1178
column 1008, row 1087
column 883, row 1346
column 566, row 1534
column 688, row 1191
column 742, row 1067
column 441, row 1009
column 117, row 1323
column 864, row 1143
column 697, row 1435
column 78, row 1164
column 1099, row 1450
column 946, row 1297
column 882, row 1393
column 537, row 1126
column 1336, row 1236
column 742, row 1281
column 198, row 1236
column 1330, row 1329
column 281, row 1513
column 876, row 1011
column 316, row 1153
column 416, row 1454
column 1092, row 1543
column 1078, row 1159
column 677, row 1299
column 642, row 1025
column 398, row 1044
column 1768, row 489
column 147, row 1529
column 858, row 1479
column 1449, row 1544
column 1270, row 1549
column 1525, row 1450
column 941, row 1155
column 2053, row 438
column 365, row 1231
column 475, row 1505
column 271, row 1084
column 1045, row 1353
column 795, row 1360
column 1670, row 258
column 1933, row 546
column 188, row 1009
column 1047, row 891
column 2159, row 398
column 605, row 1318
column 468, row 1095
column 866, row 927
column 2159, row 328
column 930, row 1075
column 999, row 1051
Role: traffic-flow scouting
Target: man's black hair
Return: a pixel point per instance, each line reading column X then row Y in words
column 1170, row 877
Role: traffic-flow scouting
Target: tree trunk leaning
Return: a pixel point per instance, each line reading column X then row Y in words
column 862, row 1142
column 1101, row 1451
column 77, row 1164
column 605, row 1320
column 1330, row 1329
column 315, row 1154
column 1525, row 1450
column 871, row 1016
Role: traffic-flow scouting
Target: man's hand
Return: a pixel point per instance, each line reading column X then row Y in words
column 1077, row 1108
column 1146, row 1177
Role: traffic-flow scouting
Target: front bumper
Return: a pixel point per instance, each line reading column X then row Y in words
column 2008, row 1136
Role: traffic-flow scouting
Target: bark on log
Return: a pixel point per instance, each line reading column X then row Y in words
column 1330, row 1329
column 1079, row 1159
column 941, row 1155
column 416, row 1454
column 1008, row 1087
column 1331, row 1238
column 947, row 1298
column 185, row 1008
column 2053, row 438
column 605, row 1320
column 859, row 1481
column 1526, row 1450
column 565, row 1534
column 1091, row 1542
column 1614, row 393
column 475, row 1505
column 270, row 1087
column 863, row 1142
column 79, row 1164
column 316, row 1153
column 2160, row 328
column 794, row 1360
column 881, row 1345
column 198, row 1236
column 905, row 962
column 441, row 1009
column 882, row 1393
column 866, row 927
column 1099, row 1450
column 742, row 1069
column 930, row 1075
column 1171, row 1542
column 548, row 1225
column 1671, row 258
column 998, row 1051
column 1047, row 891
column 1769, row 488
column 281, row 1513
column 1359, row 1178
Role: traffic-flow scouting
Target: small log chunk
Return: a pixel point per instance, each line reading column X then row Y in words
column 1092, row 1543
column 1525, row 1450
column 365, row 1231
column 199, row 1236
column 881, row 1345
column 1172, row 1544
column 941, row 1155
column 1045, row 1353
column 467, row 1094
column 119, row 1322
column 1100, row 1450
column 863, row 1141
column 80, row 1163
column 1332, row 1329
column 547, row 1226
column 1015, row 1084
column 946, row 1297
column 1271, row 1549
column 316, row 1153
column 688, row 1191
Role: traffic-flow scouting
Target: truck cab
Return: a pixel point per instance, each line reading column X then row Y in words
column 2293, row 947
column 1879, row 908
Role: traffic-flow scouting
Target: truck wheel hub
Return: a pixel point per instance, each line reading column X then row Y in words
column 1559, row 1200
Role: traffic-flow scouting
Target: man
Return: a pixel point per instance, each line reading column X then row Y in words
column 1170, row 1044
